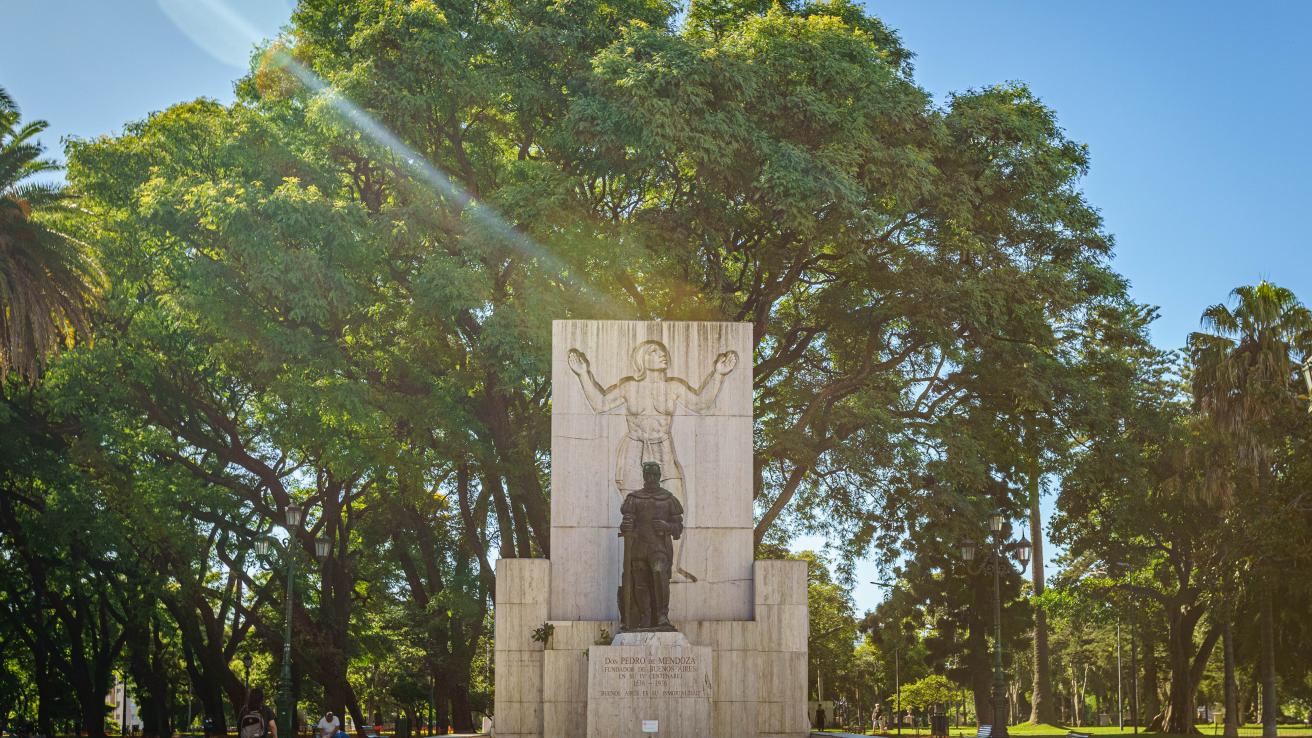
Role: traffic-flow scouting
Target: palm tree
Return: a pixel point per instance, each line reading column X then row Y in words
column 48, row 282
column 1246, row 376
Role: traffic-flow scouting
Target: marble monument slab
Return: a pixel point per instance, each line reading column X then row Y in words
column 679, row 393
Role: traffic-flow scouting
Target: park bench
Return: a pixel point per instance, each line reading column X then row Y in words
column 984, row 731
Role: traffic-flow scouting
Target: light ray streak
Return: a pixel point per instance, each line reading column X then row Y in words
column 427, row 173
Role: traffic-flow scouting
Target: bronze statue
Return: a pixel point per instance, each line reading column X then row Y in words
column 652, row 517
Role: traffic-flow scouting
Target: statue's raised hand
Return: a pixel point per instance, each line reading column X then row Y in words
column 578, row 363
column 725, row 362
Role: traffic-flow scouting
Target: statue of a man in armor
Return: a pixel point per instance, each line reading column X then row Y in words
column 651, row 518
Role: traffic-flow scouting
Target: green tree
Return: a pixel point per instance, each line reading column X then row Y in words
column 832, row 634
column 1247, row 363
column 48, row 281
column 1133, row 503
column 338, row 291
column 934, row 690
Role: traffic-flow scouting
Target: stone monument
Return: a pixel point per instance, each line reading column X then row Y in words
column 658, row 621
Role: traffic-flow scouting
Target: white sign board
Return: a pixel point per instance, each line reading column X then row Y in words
column 650, row 726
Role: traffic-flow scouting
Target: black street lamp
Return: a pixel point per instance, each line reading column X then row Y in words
column 994, row 559
column 264, row 547
column 246, row 662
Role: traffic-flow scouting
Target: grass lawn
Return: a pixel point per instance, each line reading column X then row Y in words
column 1054, row 731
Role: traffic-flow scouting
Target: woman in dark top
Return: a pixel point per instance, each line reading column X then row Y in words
column 256, row 719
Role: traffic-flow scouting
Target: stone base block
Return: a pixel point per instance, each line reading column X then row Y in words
column 633, row 688
column 523, row 589
column 755, row 677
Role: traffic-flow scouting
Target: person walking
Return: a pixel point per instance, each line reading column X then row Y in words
column 256, row 719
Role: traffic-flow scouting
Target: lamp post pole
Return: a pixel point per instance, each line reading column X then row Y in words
column 995, row 559
column 999, row 678
column 288, row 710
column 236, row 716
column 264, row 547
column 1120, row 699
column 1134, row 675
column 897, row 681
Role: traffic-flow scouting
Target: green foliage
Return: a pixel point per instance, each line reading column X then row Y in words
column 542, row 634
column 337, row 292
column 932, row 691
column 48, row 280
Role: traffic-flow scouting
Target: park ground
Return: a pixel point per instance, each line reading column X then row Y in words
column 1055, row 731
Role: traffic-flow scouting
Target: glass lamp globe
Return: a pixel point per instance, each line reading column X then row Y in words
column 1023, row 550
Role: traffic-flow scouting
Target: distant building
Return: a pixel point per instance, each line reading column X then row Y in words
column 116, row 698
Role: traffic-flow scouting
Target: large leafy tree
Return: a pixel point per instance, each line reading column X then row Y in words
column 1131, row 508
column 337, row 291
column 47, row 278
column 776, row 165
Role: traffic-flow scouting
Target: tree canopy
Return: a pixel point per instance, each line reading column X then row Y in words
column 336, row 293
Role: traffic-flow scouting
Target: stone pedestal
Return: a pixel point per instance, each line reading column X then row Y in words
column 649, row 682
column 758, row 667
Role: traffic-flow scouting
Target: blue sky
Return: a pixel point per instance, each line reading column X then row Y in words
column 1196, row 113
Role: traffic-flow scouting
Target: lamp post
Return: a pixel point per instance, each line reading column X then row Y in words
column 246, row 662
column 265, row 547
column 1117, row 571
column 997, row 549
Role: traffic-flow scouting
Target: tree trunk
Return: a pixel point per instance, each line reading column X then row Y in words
column 1152, row 704
column 45, row 686
column 1041, row 706
column 462, row 717
column 357, row 715
column 1076, row 712
column 1179, row 717
column 1246, row 699
column 1231, row 701
column 212, row 704
column 1270, row 706
column 441, row 699
column 980, row 686
column 978, row 658
column 93, row 715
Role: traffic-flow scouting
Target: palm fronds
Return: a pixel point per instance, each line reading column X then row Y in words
column 48, row 280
